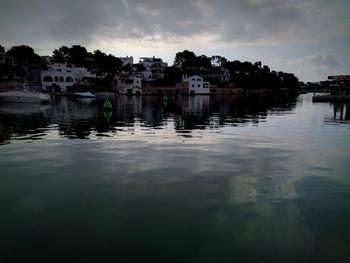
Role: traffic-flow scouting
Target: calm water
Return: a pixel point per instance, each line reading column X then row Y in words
column 193, row 180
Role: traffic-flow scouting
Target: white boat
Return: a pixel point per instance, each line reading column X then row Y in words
column 24, row 96
column 84, row 95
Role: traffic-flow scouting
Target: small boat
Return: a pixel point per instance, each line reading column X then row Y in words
column 84, row 95
column 24, row 96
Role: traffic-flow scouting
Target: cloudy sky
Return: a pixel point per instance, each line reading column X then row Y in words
column 310, row 38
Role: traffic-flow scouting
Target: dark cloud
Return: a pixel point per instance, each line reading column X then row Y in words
column 274, row 30
column 231, row 21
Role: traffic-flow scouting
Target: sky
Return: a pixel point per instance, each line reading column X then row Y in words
column 310, row 38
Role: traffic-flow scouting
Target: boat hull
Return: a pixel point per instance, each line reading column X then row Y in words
column 24, row 97
column 85, row 95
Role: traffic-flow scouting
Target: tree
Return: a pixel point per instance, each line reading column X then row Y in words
column 289, row 80
column 76, row 55
column 266, row 69
column 59, row 56
column 79, row 56
column 106, row 63
column 2, row 49
column 257, row 64
column 185, row 60
column 203, row 63
column 172, row 75
column 25, row 55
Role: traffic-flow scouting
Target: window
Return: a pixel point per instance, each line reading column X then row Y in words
column 193, row 79
column 47, row 79
column 59, row 70
column 69, row 79
column 61, row 79
column 192, row 85
column 199, row 85
column 56, row 79
column 69, row 71
column 199, row 80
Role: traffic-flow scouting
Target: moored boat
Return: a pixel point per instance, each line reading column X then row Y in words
column 84, row 95
column 24, row 96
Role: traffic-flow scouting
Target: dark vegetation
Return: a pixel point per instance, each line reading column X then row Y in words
column 245, row 75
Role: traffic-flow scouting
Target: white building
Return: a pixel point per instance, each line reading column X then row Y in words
column 127, row 60
column 221, row 73
column 225, row 75
column 6, row 59
column 128, row 84
column 196, row 85
column 154, row 68
column 64, row 76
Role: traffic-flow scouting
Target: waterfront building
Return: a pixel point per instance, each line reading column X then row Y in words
column 220, row 73
column 339, row 78
column 195, row 85
column 225, row 75
column 154, row 68
column 64, row 75
column 128, row 84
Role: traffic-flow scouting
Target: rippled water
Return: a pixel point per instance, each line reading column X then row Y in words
column 197, row 179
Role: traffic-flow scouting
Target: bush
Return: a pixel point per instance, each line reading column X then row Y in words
column 56, row 87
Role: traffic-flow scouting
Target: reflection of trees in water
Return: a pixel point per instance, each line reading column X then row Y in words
column 78, row 118
column 75, row 118
column 198, row 112
column 153, row 112
column 19, row 120
column 218, row 111
column 124, row 112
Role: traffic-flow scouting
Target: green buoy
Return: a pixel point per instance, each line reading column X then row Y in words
column 165, row 98
column 107, row 105
column 107, row 115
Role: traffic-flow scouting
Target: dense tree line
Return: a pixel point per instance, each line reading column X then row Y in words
column 245, row 74
column 80, row 57
column 24, row 61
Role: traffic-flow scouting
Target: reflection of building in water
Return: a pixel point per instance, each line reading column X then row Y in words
column 75, row 118
column 126, row 109
column 195, row 113
column 341, row 111
column 196, row 104
column 153, row 112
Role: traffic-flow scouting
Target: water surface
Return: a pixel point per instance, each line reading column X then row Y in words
column 196, row 179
